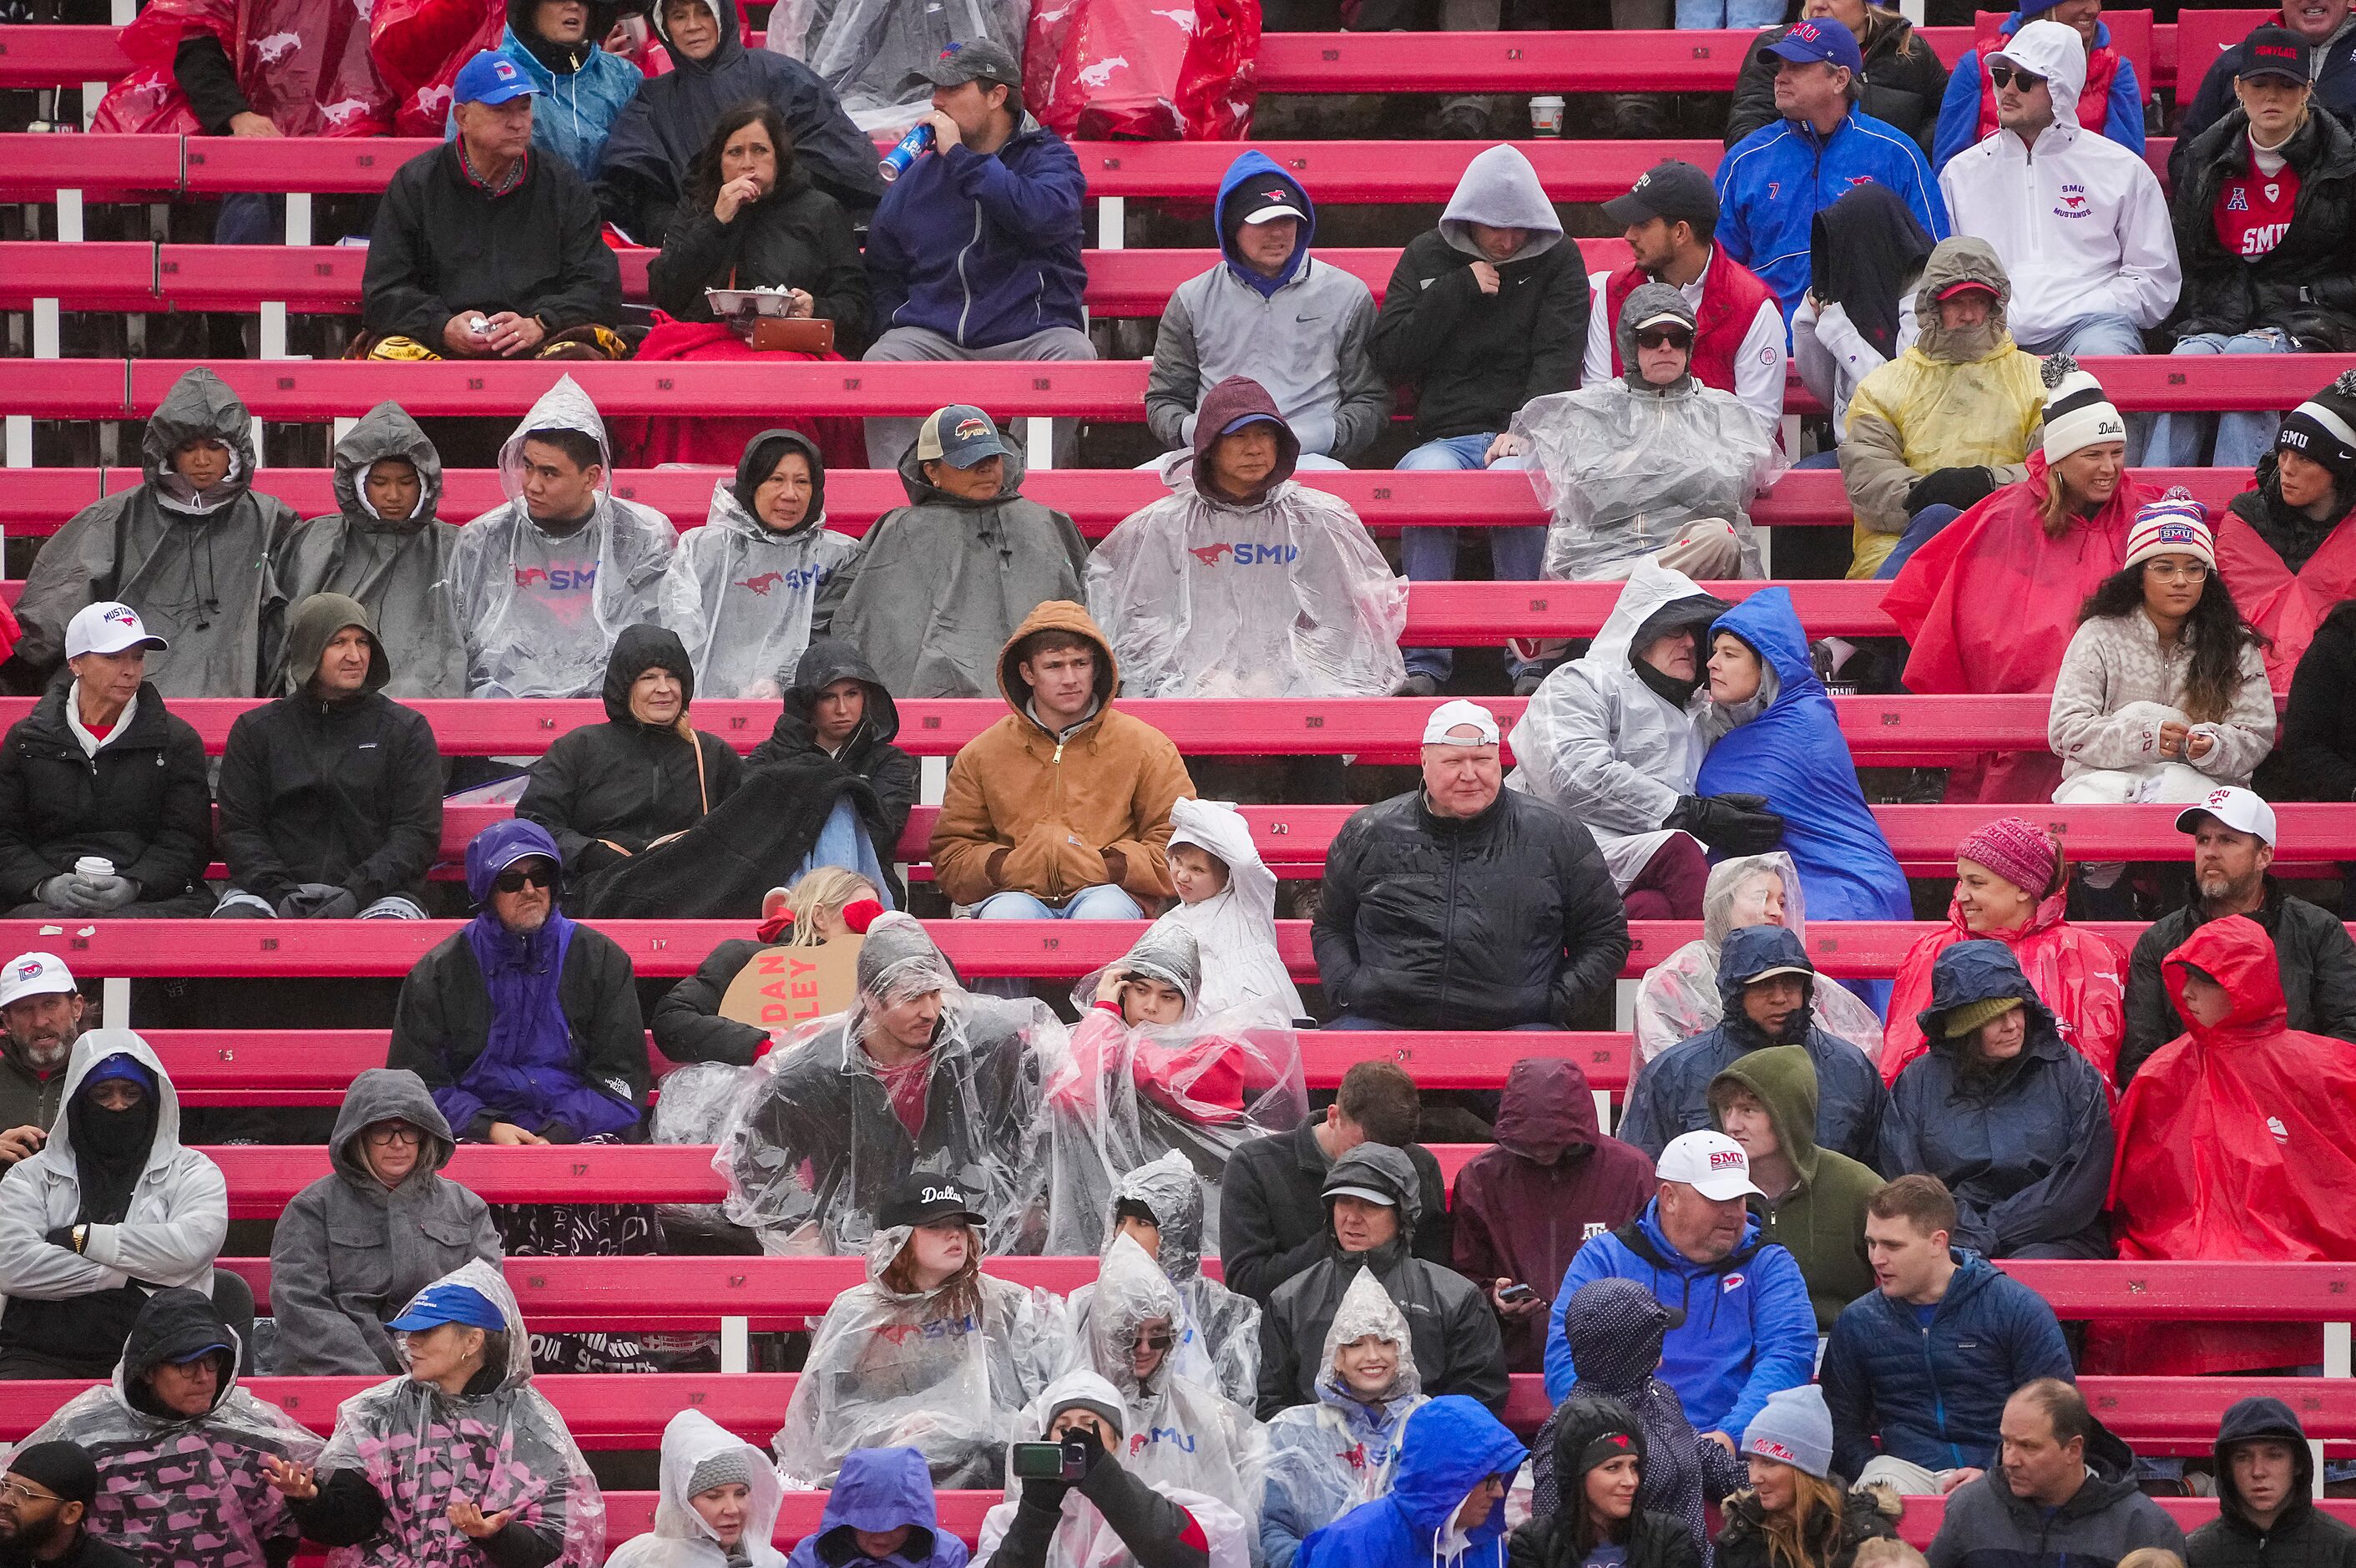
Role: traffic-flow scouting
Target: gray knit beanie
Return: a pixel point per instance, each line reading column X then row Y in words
column 1794, row 1429
column 730, row 1467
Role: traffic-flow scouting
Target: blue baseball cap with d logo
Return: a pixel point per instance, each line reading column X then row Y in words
column 491, row 78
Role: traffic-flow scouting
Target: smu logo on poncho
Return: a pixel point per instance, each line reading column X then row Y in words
column 1247, row 554
column 794, row 580
column 556, row 579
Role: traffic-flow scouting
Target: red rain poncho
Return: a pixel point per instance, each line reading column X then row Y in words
column 2232, row 1146
column 1151, row 71
column 2287, row 606
column 2080, row 975
column 302, row 64
column 1990, row 604
column 419, row 45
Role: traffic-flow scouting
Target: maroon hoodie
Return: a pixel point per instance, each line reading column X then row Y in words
column 1521, row 1217
column 1234, row 399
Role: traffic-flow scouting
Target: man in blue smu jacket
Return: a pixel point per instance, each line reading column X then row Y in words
column 1771, row 184
column 1748, row 1330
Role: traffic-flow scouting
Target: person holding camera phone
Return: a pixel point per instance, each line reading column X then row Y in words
column 1070, row 1503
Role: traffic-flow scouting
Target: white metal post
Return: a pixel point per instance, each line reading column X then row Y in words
column 736, row 1344
column 114, row 1002
column 1112, row 222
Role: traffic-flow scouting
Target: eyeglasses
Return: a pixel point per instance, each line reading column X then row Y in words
column 15, row 1491
column 394, row 1133
column 2186, row 572
column 517, row 878
column 1664, row 337
column 2012, row 75
column 1161, row 1339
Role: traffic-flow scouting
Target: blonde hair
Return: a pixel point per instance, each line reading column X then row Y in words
column 1795, row 1539
column 1882, row 1551
column 828, row 888
column 2151, row 1557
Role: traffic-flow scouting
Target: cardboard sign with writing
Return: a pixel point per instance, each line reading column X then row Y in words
column 785, row 986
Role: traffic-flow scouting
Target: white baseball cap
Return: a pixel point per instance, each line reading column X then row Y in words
column 1458, row 714
column 107, row 627
column 1712, row 1163
column 34, row 975
column 2237, row 809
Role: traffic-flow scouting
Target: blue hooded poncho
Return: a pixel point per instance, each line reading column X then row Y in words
column 1450, row 1445
column 878, row 1490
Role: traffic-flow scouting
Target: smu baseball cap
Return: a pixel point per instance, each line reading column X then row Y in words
column 1712, row 1163
column 1818, row 38
column 2274, row 51
column 107, row 627
column 1672, row 190
column 959, row 436
column 34, row 975
column 976, row 59
column 2237, row 809
column 491, row 78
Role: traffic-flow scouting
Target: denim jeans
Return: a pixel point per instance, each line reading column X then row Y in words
column 2182, row 440
column 1516, row 554
column 2103, row 335
column 1749, row 14
column 1104, row 902
column 1924, row 527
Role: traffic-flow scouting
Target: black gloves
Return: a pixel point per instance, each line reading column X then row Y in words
column 1731, row 825
column 1049, row 1495
column 318, row 901
column 1962, row 488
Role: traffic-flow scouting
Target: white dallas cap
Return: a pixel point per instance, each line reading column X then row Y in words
column 34, row 975
column 1459, row 715
column 107, row 627
column 2237, row 809
column 1712, row 1163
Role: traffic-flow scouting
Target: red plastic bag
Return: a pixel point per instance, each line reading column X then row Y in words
column 418, row 47
column 1136, row 70
column 304, row 65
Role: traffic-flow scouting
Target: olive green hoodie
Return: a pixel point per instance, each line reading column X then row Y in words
column 1822, row 1219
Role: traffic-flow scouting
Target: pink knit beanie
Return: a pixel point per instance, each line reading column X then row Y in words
column 2017, row 850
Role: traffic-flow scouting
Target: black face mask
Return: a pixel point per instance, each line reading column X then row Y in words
column 1664, row 685
column 110, row 1154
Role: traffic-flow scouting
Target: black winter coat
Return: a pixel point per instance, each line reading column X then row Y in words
column 798, row 237
column 443, row 245
column 2307, row 284
column 443, row 1020
column 347, row 793
column 869, row 753
column 687, row 1024
column 2312, row 949
column 624, row 781
column 1272, row 1210
column 1742, row 1543
column 2302, row 1536
column 1902, row 84
column 1472, row 358
column 2317, row 757
column 142, row 801
column 1655, row 1540
column 1484, row 922
column 2289, row 532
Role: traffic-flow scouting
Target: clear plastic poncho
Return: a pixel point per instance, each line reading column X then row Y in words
column 1180, row 1433
column 1244, row 975
column 680, row 1539
column 423, row 1450
column 1603, row 747
column 185, row 1492
column 814, row 1146
column 1289, row 597
column 539, row 613
column 1326, row 1458
column 1624, row 470
column 874, row 53
column 888, row 1370
column 1218, row 1330
column 740, row 595
column 693, row 1108
column 1678, row 997
column 1123, row 1096
column 1085, row 1539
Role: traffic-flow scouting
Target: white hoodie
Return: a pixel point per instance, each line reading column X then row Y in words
column 2079, row 222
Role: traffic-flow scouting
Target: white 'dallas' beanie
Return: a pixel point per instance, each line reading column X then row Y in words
column 2078, row 412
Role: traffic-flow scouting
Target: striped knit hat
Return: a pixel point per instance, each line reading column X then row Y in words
column 2078, row 412
column 2324, row 427
column 2175, row 524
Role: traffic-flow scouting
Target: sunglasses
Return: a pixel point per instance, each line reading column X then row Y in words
column 1162, row 1340
column 516, row 880
column 2007, row 75
column 1664, row 337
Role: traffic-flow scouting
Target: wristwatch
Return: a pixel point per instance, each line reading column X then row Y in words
column 80, row 1236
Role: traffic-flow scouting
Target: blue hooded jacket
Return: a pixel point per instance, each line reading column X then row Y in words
column 1749, row 1330
column 1255, row 168
column 2025, row 1149
column 878, row 1490
column 1451, row 1446
column 1935, row 1393
column 983, row 249
column 1671, row 1095
column 1795, row 754
column 1959, row 111
column 575, row 111
column 1773, row 182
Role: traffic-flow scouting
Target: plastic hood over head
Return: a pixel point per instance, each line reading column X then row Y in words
column 1963, row 260
column 1132, row 1291
column 1644, row 302
column 1253, row 181
column 198, row 407
column 564, row 406
column 2054, row 51
column 1501, row 189
column 1735, row 895
column 386, row 431
column 386, row 1094
column 766, row 450
column 898, row 960
column 2238, row 955
column 1167, row 952
column 1169, row 1187
column 1450, row 1447
column 1368, row 1311
column 689, row 1439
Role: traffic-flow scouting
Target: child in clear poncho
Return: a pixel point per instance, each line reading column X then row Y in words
column 1159, row 1207
column 718, row 1507
column 919, row 1075
column 1149, row 1074
column 430, row 1469
column 1228, row 900
column 180, row 1448
column 1326, row 1458
column 1678, row 997
column 931, row 1353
